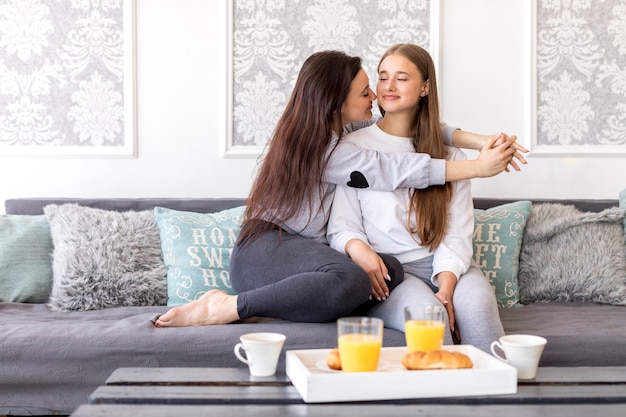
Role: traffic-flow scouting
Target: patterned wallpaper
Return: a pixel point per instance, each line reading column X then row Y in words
column 581, row 73
column 62, row 76
column 64, row 69
column 272, row 38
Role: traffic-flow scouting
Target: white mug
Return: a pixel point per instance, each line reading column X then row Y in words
column 262, row 352
column 522, row 351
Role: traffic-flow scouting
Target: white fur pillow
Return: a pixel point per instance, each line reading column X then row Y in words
column 105, row 259
column 570, row 255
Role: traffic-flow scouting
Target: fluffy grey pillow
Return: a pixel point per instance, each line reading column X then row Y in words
column 104, row 259
column 569, row 255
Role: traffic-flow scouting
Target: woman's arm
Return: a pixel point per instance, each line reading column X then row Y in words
column 449, row 133
column 445, row 294
column 493, row 159
column 346, row 234
column 344, row 221
column 469, row 140
column 351, row 165
column 455, row 252
column 452, row 258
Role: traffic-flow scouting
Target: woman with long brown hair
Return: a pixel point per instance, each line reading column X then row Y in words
column 428, row 230
column 282, row 266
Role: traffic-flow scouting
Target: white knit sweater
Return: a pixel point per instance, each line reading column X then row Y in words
column 379, row 218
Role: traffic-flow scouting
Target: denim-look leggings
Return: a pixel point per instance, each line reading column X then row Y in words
column 290, row 277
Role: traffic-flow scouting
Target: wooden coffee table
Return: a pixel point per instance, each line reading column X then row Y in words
column 193, row 392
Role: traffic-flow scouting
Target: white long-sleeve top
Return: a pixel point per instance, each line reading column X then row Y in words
column 380, row 218
column 381, row 170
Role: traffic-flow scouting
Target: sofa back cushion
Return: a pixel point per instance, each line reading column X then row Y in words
column 200, row 205
column 105, row 258
column 25, row 259
column 497, row 241
column 588, row 205
column 196, row 250
column 570, row 255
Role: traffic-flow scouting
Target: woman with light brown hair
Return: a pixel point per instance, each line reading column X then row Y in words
column 282, row 266
column 428, row 230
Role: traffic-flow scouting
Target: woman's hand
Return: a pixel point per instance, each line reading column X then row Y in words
column 496, row 156
column 502, row 138
column 447, row 284
column 365, row 257
column 469, row 140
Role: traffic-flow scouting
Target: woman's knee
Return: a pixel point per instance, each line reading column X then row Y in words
column 351, row 286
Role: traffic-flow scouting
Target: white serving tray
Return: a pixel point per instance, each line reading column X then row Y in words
column 316, row 383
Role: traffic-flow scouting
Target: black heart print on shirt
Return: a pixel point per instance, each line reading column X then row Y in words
column 357, row 180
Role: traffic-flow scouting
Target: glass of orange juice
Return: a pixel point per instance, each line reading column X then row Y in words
column 360, row 340
column 424, row 327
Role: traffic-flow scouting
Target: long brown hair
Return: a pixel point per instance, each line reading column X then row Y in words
column 429, row 206
column 292, row 170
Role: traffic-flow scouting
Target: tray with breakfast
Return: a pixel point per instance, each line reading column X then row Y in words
column 454, row 370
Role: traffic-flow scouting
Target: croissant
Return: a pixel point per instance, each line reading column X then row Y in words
column 333, row 360
column 436, row 359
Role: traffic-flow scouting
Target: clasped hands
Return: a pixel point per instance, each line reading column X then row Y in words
column 497, row 152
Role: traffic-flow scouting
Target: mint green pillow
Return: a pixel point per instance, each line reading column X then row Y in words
column 622, row 204
column 196, row 250
column 25, row 258
column 497, row 240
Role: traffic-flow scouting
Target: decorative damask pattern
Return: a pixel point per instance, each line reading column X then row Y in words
column 62, row 73
column 272, row 38
column 581, row 72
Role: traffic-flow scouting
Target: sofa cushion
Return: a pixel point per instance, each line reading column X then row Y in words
column 70, row 355
column 25, row 259
column 497, row 243
column 569, row 255
column 196, row 250
column 578, row 334
column 105, row 259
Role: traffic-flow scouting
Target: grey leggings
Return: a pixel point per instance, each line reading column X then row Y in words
column 475, row 306
column 290, row 277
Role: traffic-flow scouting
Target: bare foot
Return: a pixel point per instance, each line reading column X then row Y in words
column 214, row 307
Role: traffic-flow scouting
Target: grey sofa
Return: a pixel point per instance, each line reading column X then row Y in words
column 51, row 361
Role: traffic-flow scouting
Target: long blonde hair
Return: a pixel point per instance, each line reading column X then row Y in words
column 429, row 206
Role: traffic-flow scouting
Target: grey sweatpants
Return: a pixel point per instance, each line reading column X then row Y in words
column 475, row 306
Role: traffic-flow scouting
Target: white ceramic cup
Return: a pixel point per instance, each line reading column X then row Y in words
column 522, row 351
column 262, row 352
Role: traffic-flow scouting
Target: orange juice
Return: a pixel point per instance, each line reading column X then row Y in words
column 423, row 335
column 359, row 352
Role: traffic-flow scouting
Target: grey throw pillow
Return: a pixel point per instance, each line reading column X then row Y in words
column 104, row 258
column 569, row 255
